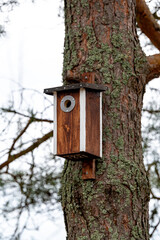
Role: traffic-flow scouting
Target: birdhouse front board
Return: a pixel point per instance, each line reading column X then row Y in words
column 77, row 120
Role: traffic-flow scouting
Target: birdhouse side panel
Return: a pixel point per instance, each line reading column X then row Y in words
column 55, row 123
column 68, row 124
column 93, row 122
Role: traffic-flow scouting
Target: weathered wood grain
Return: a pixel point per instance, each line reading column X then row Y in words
column 93, row 122
column 68, row 126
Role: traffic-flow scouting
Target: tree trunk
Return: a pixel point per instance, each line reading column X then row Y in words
column 101, row 38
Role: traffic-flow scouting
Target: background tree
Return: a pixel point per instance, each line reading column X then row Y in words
column 111, row 60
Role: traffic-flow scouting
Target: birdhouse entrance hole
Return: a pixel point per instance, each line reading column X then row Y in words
column 67, row 103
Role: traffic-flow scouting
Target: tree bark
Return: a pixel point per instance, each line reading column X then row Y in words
column 154, row 67
column 147, row 23
column 101, row 37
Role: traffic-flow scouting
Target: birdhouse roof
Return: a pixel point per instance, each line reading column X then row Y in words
column 94, row 87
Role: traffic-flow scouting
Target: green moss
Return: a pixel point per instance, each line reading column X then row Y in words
column 90, row 36
column 91, row 219
column 140, row 60
column 101, row 166
column 137, row 232
column 114, row 115
column 106, row 49
column 70, row 54
column 87, row 190
column 94, row 56
column 119, row 57
column 120, row 143
column 113, row 158
column 117, row 82
column 77, row 176
column 103, row 210
column 117, row 39
column 107, row 133
column 84, row 3
column 107, row 77
column 115, row 93
column 114, row 235
column 82, row 238
column 100, row 189
column 96, row 235
column 126, row 66
column 111, row 170
column 104, row 139
column 121, row 157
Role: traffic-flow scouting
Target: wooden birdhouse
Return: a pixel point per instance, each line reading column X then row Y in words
column 77, row 120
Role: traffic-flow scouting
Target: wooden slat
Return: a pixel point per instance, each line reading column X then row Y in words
column 88, row 166
column 68, row 125
column 93, row 122
column 88, row 169
column 55, row 124
column 88, row 77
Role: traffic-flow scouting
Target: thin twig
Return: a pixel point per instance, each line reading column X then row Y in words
column 27, row 116
column 16, row 139
column 154, row 196
column 27, row 150
column 155, row 227
column 151, row 111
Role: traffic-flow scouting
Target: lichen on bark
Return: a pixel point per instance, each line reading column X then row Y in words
column 101, row 38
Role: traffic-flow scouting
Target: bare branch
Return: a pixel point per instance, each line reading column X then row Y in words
column 151, row 111
column 18, row 220
column 147, row 23
column 27, row 150
column 154, row 229
column 154, row 66
column 154, row 196
column 27, row 116
column 16, row 139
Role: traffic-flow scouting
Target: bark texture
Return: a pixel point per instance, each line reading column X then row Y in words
column 147, row 23
column 154, row 67
column 101, row 38
column 151, row 29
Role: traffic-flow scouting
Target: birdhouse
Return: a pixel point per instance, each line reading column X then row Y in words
column 77, row 120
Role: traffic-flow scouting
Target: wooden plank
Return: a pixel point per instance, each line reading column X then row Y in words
column 68, row 125
column 88, row 77
column 93, row 122
column 88, row 166
column 55, row 124
column 88, row 169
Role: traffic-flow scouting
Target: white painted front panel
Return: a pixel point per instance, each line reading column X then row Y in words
column 55, row 124
column 82, row 119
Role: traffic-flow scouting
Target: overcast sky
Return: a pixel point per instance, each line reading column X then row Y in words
column 31, row 52
column 31, row 55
